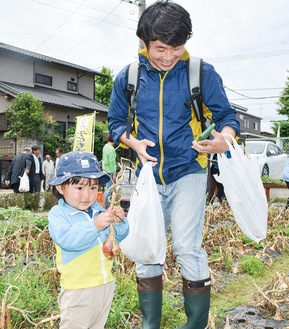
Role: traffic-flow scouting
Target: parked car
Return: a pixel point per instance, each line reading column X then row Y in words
column 270, row 157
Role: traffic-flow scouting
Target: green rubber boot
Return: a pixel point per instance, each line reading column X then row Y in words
column 197, row 303
column 150, row 299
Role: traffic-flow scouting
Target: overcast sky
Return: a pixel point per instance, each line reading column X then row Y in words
column 247, row 41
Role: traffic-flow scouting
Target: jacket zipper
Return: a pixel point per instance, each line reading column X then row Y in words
column 162, row 157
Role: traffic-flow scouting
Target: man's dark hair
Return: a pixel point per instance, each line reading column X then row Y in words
column 60, row 150
column 165, row 21
column 35, row 148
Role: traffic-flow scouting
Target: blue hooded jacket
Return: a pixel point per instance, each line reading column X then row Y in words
column 163, row 116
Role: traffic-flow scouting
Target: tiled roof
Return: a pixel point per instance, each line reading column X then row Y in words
column 46, row 58
column 54, row 97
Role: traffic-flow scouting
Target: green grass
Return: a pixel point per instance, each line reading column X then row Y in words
column 241, row 289
column 266, row 179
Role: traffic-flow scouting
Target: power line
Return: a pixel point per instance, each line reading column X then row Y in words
column 280, row 52
column 255, row 89
column 60, row 26
column 84, row 15
column 75, row 12
column 96, row 9
column 264, row 97
column 91, row 31
column 141, row 7
column 249, row 97
column 141, row 4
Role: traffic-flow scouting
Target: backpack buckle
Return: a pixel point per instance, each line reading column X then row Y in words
column 129, row 92
column 196, row 92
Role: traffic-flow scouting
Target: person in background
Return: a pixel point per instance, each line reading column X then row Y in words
column 218, row 197
column 58, row 153
column 48, row 171
column 166, row 131
column 16, row 169
column 109, row 165
column 286, row 178
column 79, row 226
column 34, row 166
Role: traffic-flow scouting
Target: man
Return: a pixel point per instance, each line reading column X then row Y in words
column 35, row 170
column 16, row 169
column 166, row 133
column 109, row 166
column 47, row 170
column 58, row 153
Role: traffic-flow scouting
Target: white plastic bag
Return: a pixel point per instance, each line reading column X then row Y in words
column 146, row 241
column 24, row 183
column 244, row 191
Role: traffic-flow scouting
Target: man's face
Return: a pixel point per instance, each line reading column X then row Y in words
column 164, row 57
column 57, row 153
column 36, row 152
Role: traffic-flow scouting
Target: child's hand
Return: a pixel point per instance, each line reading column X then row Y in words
column 117, row 213
column 103, row 220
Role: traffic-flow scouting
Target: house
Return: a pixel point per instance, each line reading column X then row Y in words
column 250, row 125
column 65, row 89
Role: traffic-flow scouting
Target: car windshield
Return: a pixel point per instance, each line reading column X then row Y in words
column 255, row 148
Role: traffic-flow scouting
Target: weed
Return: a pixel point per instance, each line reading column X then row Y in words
column 252, row 265
column 255, row 245
column 229, row 261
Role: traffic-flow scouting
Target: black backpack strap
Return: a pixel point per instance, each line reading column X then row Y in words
column 194, row 75
column 133, row 75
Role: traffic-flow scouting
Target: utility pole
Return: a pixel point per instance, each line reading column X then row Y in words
column 141, row 4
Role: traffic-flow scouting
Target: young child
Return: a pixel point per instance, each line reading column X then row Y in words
column 79, row 226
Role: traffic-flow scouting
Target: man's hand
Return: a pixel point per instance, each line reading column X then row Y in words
column 140, row 148
column 216, row 145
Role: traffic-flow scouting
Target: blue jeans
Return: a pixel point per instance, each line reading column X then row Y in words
column 108, row 193
column 183, row 204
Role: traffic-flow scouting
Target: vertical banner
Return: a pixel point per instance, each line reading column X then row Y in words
column 84, row 133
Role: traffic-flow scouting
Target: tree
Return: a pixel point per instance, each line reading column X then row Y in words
column 103, row 86
column 283, row 109
column 100, row 129
column 26, row 118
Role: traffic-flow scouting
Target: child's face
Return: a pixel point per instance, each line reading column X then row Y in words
column 81, row 195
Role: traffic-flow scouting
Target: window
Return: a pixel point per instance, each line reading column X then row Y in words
column 61, row 129
column 272, row 150
column 43, row 79
column 255, row 125
column 71, row 86
column 246, row 123
column 70, row 124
